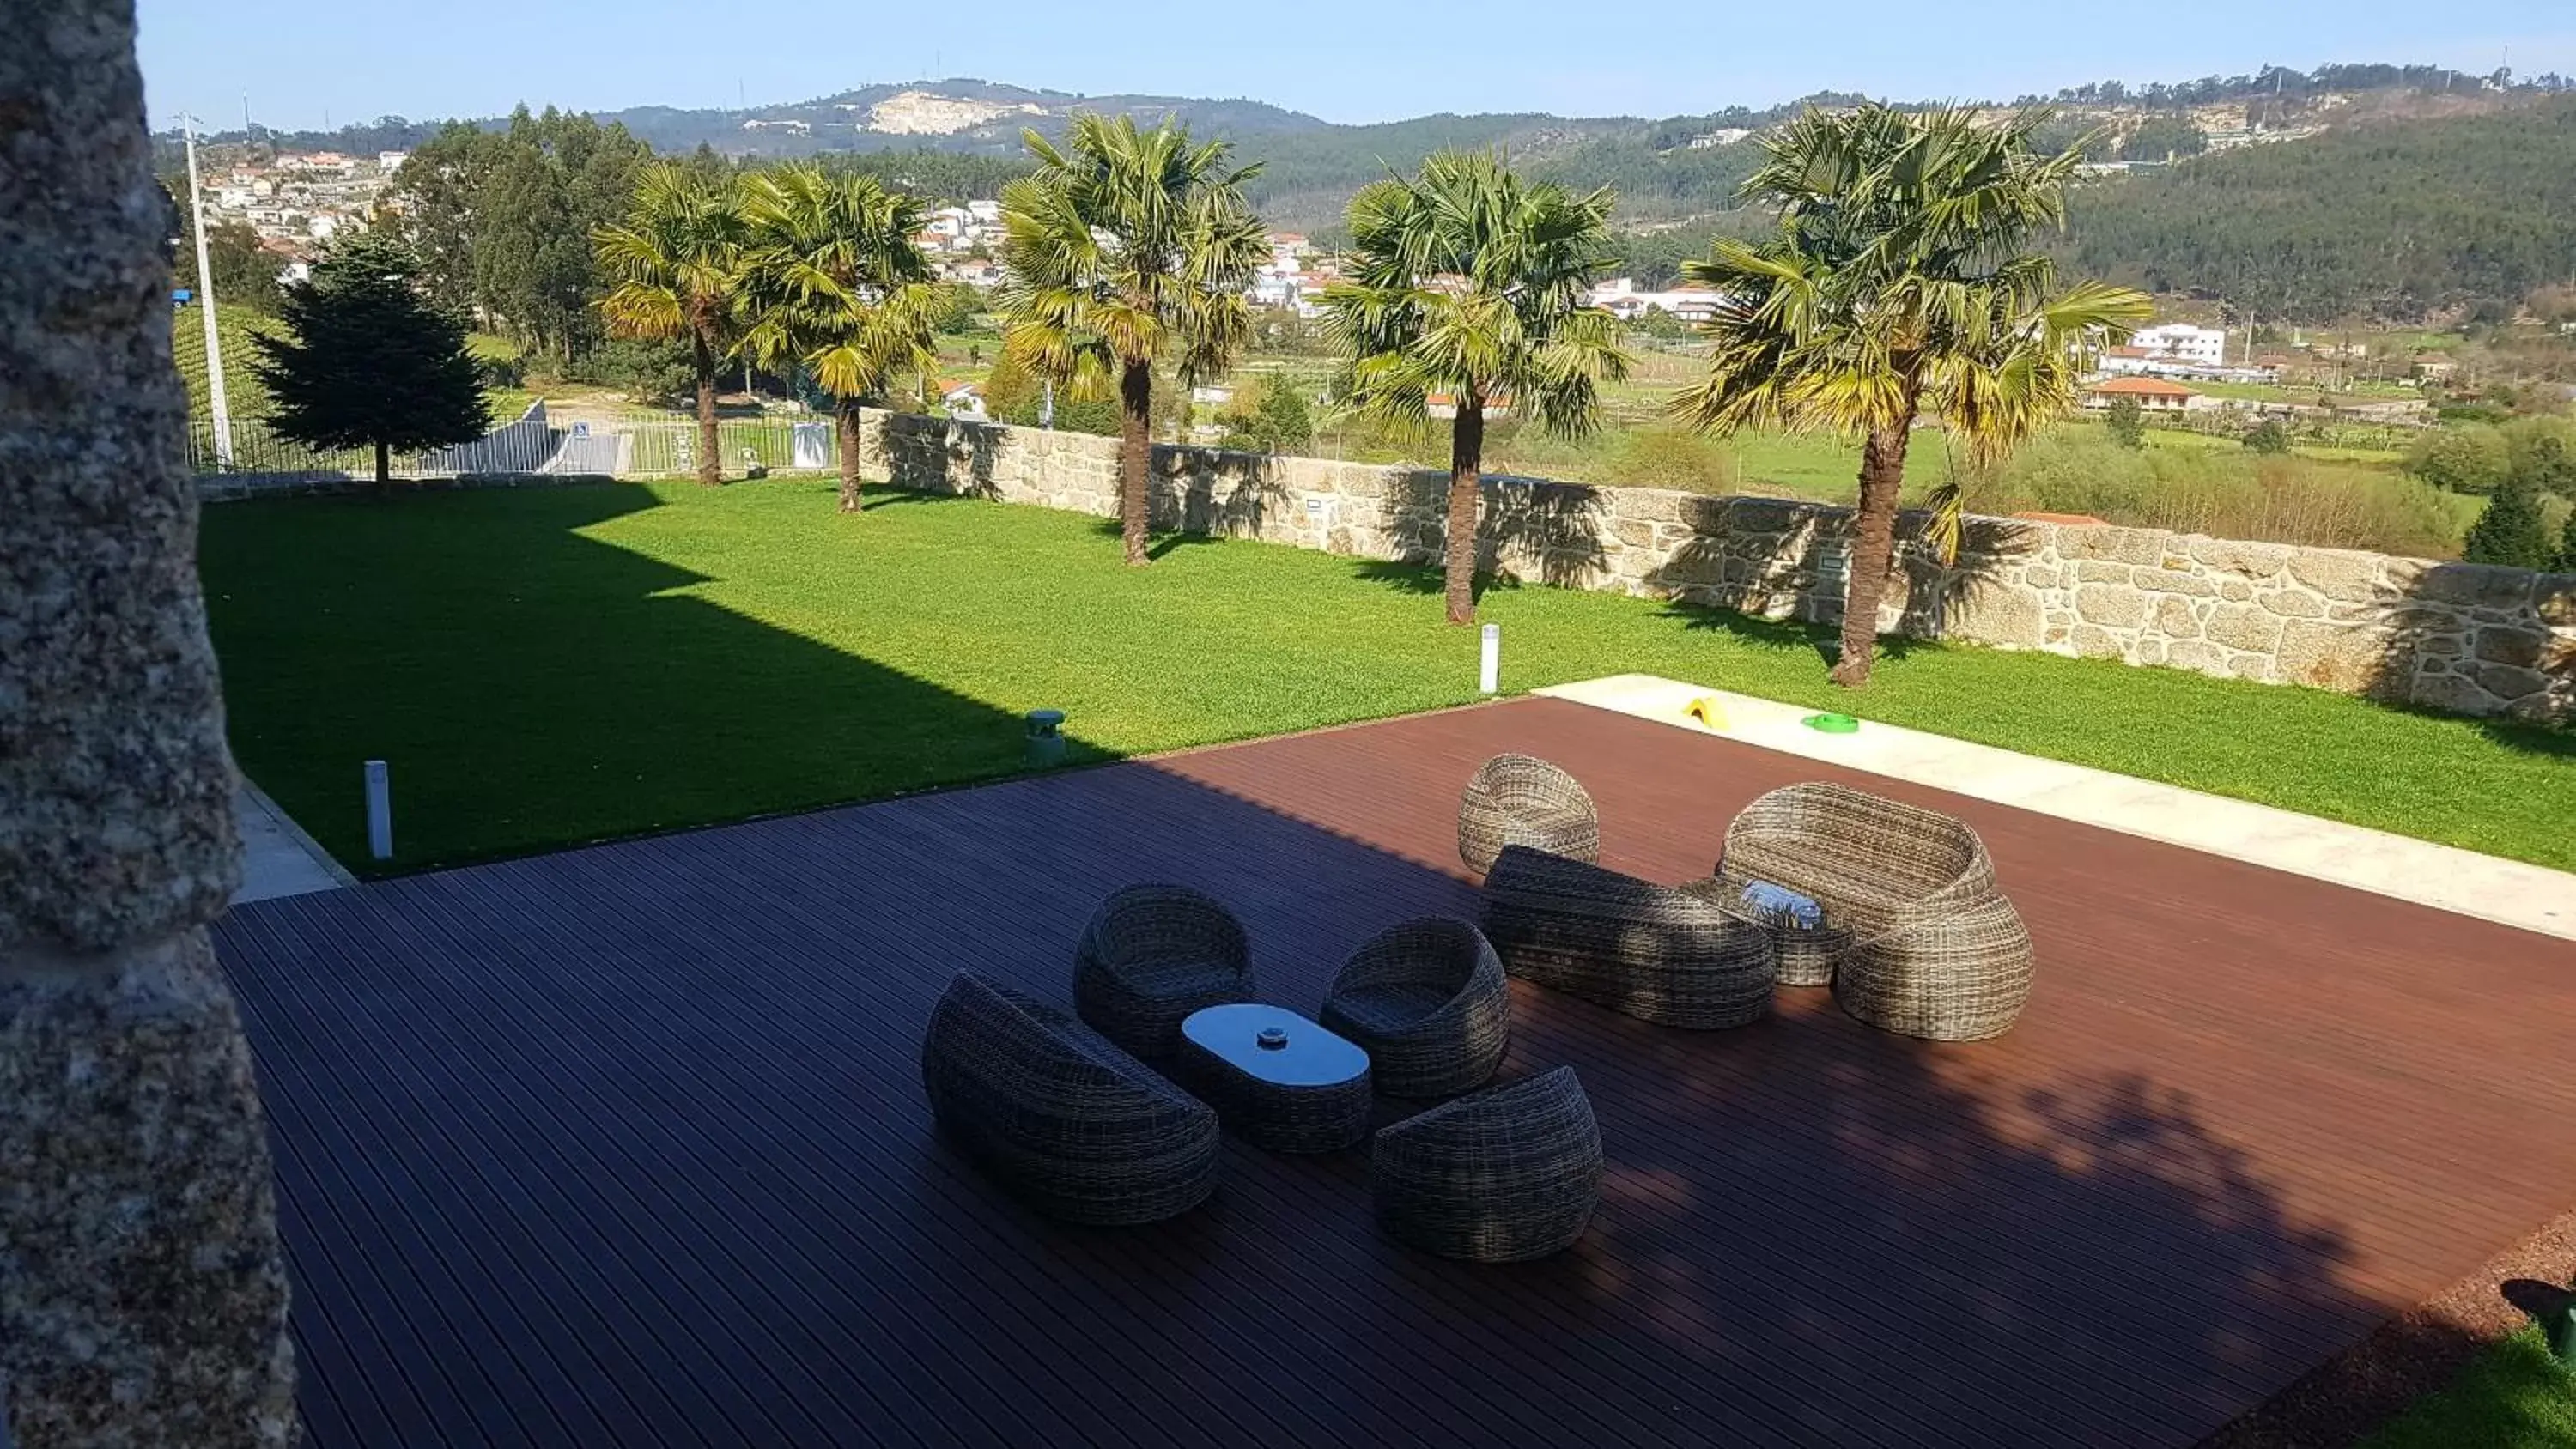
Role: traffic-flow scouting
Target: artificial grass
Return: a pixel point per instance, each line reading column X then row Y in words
column 552, row 665
column 2515, row 1396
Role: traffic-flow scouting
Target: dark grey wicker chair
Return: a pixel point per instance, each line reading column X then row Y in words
column 1518, row 800
column 1151, row 955
column 1427, row 1001
column 1058, row 1115
column 1933, row 948
column 1656, row 953
column 1507, row 1174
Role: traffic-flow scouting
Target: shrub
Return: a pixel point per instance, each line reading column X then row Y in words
column 649, row 372
column 2269, row 436
column 2462, row 457
column 2566, row 561
column 2227, row 493
column 1276, row 419
column 2127, row 422
column 2509, row 532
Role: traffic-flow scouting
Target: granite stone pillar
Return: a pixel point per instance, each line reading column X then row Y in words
column 142, row 1298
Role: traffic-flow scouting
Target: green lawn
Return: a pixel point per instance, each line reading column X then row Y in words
column 551, row 665
column 2514, row 1397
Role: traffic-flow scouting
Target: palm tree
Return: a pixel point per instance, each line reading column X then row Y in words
column 1898, row 286
column 1469, row 283
column 677, row 262
column 834, row 278
column 1126, row 246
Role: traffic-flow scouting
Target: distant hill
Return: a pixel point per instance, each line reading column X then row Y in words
column 2472, row 172
column 2388, row 218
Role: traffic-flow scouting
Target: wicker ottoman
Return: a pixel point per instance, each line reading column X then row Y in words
column 1507, row 1174
column 1276, row 1079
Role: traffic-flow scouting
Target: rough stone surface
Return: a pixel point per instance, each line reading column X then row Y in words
column 142, row 1301
column 2330, row 618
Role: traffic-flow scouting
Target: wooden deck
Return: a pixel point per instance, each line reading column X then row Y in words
column 626, row 1146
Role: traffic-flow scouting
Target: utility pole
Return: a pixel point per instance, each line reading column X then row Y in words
column 206, row 307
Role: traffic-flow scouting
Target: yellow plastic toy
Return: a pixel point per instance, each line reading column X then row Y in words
column 1707, row 711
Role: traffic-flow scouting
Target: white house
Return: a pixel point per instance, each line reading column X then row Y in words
column 1622, row 298
column 390, row 162
column 2182, row 343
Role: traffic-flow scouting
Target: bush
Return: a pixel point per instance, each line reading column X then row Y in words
column 2509, row 532
column 1277, row 419
column 2226, row 493
column 655, row 374
column 2269, row 436
column 2464, row 457
column 2566, row 561
column 2127, row 422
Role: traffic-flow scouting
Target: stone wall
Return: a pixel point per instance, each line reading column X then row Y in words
column 2463, row 638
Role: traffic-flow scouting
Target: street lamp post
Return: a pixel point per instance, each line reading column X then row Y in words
column 206, row 307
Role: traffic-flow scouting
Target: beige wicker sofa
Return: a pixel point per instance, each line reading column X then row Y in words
column 1933, row 948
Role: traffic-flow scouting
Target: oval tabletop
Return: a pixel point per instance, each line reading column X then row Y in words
column 1310, row 1057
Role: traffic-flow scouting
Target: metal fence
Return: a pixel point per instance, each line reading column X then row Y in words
column 775, row 444
column 527, row 445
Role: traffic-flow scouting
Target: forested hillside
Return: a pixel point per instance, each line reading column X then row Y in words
column 2392, row 219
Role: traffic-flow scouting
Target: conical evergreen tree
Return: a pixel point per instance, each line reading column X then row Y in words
column 2510, row 531
column 367, row 360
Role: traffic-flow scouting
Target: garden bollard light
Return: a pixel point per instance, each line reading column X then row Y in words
column 1489, row 677
column 380, row 811
column 1046, row 739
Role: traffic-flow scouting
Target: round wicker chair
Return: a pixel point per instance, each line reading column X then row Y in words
column 1428, row 1002
column 1518, row 800
column 1658, row 954
column 1151, row 955
column 1058, row 1115
column 1507, row 1174
column 1934, row 949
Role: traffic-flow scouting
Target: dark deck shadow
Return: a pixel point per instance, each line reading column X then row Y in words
column 629, row 1141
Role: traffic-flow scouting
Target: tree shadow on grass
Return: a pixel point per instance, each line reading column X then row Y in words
column 1426, row 580
column 700, row 1053
column 531, row 685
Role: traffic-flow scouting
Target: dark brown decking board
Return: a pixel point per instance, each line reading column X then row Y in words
column 626, row 1145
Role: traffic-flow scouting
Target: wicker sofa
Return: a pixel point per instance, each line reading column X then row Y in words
column 1058, row 1114
column 1427, row 1001
column 1520, row 800
column 1507, row 1174
column 1932, row 948
column 1151, row 955
column 1659, row 954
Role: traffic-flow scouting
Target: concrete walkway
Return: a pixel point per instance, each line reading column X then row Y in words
column 278, row 858
column 2441, row 876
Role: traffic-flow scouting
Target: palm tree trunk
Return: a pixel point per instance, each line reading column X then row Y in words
column 1135, row 452
column 384, row 468
column 710, row 462
column 846, row 412
column 1882, row 479
column 1466, row 483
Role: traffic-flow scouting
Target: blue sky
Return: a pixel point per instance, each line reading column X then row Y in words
column 1345, row 61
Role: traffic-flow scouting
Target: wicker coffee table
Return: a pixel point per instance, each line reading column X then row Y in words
column 1275, row 1078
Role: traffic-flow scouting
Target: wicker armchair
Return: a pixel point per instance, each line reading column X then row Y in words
column 1507, row 1174
column 1059, row 1115
column 1427, row 1001
column 1934, row 948
column 1656, row 953
column 1151, row 955
column 1517, row 800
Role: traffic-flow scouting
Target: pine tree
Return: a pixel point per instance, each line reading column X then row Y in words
column 368, row 361
column 2510, row 532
